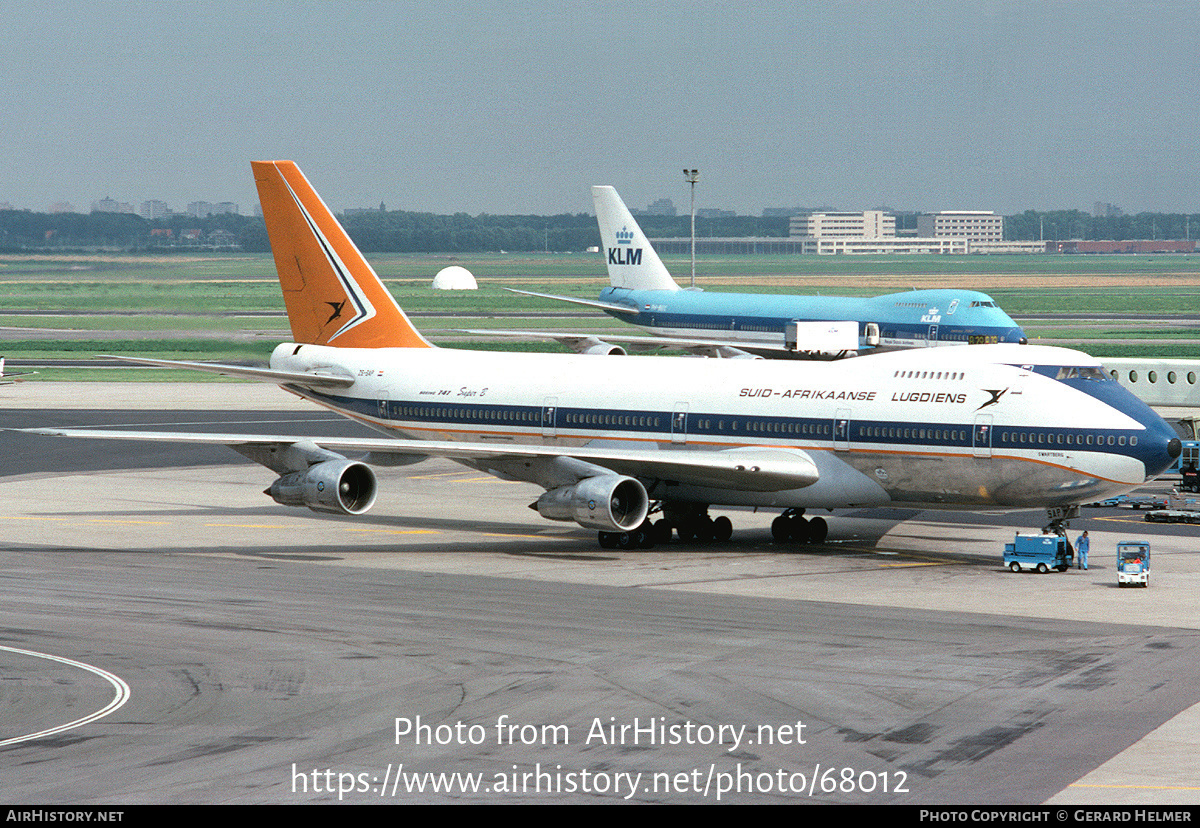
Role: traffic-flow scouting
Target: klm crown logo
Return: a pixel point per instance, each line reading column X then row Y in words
column 624, row 236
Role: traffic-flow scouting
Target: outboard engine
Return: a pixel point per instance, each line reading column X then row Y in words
column 341, row 487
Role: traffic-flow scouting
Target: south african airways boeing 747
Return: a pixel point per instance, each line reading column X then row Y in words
column 612, row 441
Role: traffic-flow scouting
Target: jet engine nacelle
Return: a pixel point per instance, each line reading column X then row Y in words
column 594, row 345
column 604, row 349
column 610, row 503
column 341, row 487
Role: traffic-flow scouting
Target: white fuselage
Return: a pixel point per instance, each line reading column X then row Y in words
column 956, row 427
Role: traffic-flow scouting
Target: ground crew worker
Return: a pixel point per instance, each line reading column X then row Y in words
column 1081, row 549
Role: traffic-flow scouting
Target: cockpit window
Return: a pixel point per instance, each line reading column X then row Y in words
column 976, row 303
column 1088, row 372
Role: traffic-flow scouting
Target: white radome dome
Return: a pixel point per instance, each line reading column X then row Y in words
column 454, row 278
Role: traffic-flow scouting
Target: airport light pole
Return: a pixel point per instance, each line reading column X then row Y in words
column 692, row 176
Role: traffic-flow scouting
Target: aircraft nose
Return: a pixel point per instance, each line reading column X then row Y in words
column 1165, row 450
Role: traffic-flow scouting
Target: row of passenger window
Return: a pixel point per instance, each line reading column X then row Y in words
column 489, row 414
column 935, row 435
column 1152, row 376
column 632, row 420
column 933, row 375
column 1068, row 439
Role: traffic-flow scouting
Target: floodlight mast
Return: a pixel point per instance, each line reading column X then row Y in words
column 692, row 176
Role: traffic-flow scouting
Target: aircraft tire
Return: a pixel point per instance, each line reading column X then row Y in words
column 800, row 529
column 662, row 531
column 818, row 530
column 608, row 540
column 722, row 529
column 781, row 529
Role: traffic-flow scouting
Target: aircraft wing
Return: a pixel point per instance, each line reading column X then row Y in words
column 726, row 348
column 746, row 469
column 316, row 379
column 590, row 303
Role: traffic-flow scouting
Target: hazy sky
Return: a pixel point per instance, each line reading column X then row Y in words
column 518, row 107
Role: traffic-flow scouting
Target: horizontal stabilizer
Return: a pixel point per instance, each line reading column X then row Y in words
column 589, row 303
column 310, row 379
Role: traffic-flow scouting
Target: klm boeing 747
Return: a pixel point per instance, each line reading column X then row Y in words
column 611, row 442
column 643, row 293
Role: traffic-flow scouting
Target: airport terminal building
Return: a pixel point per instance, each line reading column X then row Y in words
column 871, row 232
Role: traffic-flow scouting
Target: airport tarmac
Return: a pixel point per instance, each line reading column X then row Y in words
column 268, row 652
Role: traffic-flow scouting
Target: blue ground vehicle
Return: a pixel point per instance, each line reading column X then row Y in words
column 1133, row 563
column 1040, row 552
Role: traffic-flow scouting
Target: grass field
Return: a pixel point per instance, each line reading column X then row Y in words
column 212, row 307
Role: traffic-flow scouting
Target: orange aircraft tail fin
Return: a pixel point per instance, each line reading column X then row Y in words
column 333, row 296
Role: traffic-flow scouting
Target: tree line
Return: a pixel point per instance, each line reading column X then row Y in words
column 400, row 231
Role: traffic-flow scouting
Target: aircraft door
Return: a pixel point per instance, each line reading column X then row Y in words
column 384, row 396
column 679, row 423
column 550, row 417
column 841, row 430
column 933, row 334
column 981, row 438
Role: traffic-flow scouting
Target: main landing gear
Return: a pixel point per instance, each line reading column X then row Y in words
column 793, row 526
column 691, row 523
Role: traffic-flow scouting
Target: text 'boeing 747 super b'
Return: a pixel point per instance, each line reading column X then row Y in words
column 643, row 293
column 612, row 441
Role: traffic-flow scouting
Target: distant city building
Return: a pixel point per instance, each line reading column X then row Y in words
column 1102, row 209
column 154, row 210
column 108, row 205
column 662, row 207
column 201, row 209
column 869, row 224
column 976, row 225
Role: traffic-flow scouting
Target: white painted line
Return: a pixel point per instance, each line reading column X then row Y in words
column 118, row 684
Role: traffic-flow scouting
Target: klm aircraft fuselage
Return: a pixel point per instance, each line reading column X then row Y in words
column 911, row 319
column 642, row 293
